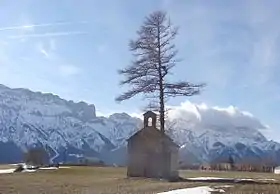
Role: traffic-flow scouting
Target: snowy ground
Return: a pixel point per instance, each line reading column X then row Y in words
column 197, row 190
column 7, row 171
column 209, row 190
column 11, row 170
column 217, row 179
column 48, row 168
column 64, row 167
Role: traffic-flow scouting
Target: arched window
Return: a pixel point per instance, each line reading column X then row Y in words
column 150, row 122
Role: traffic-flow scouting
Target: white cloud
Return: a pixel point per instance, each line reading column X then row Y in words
column 42, row 49
column 56, row 64
column 47, row 48
column 219, row 116
column 203, row 116
column 48, row 34
column 44, row 52
column 137, row 115
column 29, row 26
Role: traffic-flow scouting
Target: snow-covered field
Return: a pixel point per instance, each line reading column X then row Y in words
column 7, row 171
column 11, row 170
column 208, row 189
column 226, row 179
column 197, row 190
column 48, row 168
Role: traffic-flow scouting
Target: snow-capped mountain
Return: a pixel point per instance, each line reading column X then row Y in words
column 67, row 130
column 30, row 119
column 209, row 143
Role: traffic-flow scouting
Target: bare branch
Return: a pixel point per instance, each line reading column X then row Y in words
column 154, row 56
column 182, row 89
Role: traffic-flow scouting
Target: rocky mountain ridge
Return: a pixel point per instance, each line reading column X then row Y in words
column 68, row 130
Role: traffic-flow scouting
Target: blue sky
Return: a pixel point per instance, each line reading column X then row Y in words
column 74, row 48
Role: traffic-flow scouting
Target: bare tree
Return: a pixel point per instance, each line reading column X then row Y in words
column 155, row 56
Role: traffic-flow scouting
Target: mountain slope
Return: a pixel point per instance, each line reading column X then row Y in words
column 34, row 119
column 68, row 130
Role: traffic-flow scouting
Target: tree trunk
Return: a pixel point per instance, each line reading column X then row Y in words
column 161, row 109
column 161, row 93
column 155, row 55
